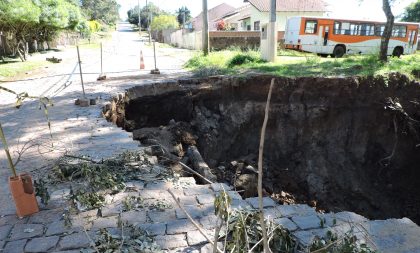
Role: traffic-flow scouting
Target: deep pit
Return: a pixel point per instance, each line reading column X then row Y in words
column 334, row 143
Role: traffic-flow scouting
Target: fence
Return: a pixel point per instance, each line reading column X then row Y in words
column 219, row 40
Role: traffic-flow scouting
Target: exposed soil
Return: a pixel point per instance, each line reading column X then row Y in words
column 326, row 140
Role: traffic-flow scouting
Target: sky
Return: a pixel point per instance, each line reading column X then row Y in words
column 351, row 9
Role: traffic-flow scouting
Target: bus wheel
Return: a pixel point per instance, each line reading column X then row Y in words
column 339, row 51
column 397, row 52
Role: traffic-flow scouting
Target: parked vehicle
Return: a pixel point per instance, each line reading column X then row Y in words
column 337, row 37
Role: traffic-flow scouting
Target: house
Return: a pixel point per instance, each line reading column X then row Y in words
column 214, row 15
column 235, row 19
column 259, row 12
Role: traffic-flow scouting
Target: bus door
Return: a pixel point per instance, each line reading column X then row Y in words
column 323, row 37
column 412, row 39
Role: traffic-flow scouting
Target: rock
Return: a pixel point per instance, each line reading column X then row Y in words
column 248, row 183
column 4, row 231
column 15, row 246
column 83, row 102
column 24, row 231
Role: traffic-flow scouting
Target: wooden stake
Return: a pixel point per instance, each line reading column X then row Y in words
column 80, row 70
column 260, row 170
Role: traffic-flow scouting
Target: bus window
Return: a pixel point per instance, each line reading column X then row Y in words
column 379, row 30
column 367, row 29
column 337, row 27
column 354, row 29
column 399, row 31
column 311, row 26
column 345, row 28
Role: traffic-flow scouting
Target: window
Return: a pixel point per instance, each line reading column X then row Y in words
column 311, row 26
column 354, row 29
column 367, row 30
column 248, row 27
column 341, row 28
column 379, row 30
column 256, row 25
column 399, row 31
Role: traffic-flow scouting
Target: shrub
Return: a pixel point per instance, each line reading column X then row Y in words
column 244, row 58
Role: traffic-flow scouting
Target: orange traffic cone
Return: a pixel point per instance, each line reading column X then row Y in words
column 141, row 60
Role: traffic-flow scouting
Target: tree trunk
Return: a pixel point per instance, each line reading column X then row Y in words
column 383, row 54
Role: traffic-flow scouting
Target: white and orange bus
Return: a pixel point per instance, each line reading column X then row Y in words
column 337, row 37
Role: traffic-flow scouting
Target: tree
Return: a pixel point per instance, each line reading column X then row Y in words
column 104, row 10
column 164, row 22
column 145, row 13
column 183, row 15
column 386, row 7
column 412, row 12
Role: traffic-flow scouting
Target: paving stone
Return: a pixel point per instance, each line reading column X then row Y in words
column 162, row 217
column 111, row 210
column 271, row 213
column 179, row 226
column 207, row 209
column 286, row 223
column 209, row 221
column 350, row 217
column 74, row 241
column 296, row 210
column 134, row 217
column 307, row 222
column 171, row 241
column 267, row 202
column 304, row 237
column 15, row 246
column 159, row 185
column 4, row 231
column 23, row 231
column 59, row 227
column 12, row 220
column 234, row 195
column 208, row 248
column 188, row 200
column 240, row 203
column 206, row 199
column 76, row 251
column 154, row 229
column 195, row 238
column 184, row 250
column 2, row 243
column 137, row 185
column 217, row 187
column 186, row 181
column 41, row 244
column 197, row 190
column 155, row 194
column 194, row 211
column 108, row 222
column 47, row 216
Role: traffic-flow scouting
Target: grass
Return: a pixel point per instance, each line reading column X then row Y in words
column 15, row 67
column 293, row 64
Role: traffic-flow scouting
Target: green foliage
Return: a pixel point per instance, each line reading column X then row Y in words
column 146, row 13
column 41, row 191
column 331, row 243
column 180, row 15
column 291, row 64
column 244, row 58
column 105, row 11
column 164, row 22
column 94, row 26
column 132, row 239
column 412, row 12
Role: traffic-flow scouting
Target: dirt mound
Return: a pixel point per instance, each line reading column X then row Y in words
column 339, row 144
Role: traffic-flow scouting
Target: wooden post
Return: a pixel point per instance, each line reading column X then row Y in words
column 6, row 149
column 154, row 53
column 80, row 70
column 205, row 30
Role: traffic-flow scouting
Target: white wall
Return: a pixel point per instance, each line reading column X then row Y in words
column 282, row 17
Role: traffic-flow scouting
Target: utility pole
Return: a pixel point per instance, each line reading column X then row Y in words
column 183, row 18
column 272, row 32
column 138, row 7
column 205, row 29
